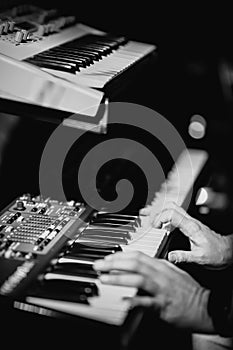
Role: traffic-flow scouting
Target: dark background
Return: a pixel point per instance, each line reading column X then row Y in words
column 194, row 43
column 194, row 46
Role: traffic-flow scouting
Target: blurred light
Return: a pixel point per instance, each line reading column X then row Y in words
column 207, row 197
column 204, row 210
column 197, row 127
column 202, row 196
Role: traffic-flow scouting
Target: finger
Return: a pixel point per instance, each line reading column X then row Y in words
column 185, row 223
column 143, row 301
column 131, row 262
column 145, row 211
column 172, row 206
column 138, row 258
column 179, row 256
column 145, row 221
column 171, row 215
column 124, row 279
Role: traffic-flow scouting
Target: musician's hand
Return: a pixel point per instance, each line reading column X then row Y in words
column 172, row 293
column 207, row 247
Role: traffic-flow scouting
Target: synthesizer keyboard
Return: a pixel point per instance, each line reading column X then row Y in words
column 53, row 246
column 58, row 44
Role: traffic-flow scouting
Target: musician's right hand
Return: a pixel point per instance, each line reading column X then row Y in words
column 208, row 248
column 171, row 292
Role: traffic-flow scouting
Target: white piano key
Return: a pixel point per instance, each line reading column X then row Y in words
column 98, row 74
column 112, row 304
column 149, row 243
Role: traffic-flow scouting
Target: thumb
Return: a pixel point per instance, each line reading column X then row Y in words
column 178, row 256
column 145, row 211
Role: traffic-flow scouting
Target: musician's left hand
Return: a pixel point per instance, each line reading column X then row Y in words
column 207, row 247
column 171, row 292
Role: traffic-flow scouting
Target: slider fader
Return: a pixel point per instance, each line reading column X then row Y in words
column 32, row 231
column 48, row 248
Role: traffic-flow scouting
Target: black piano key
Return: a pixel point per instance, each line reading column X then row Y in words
column 96, row 245
column 71, row 286
column 67, row 264
column 51, row 64
column 94, row 56
column 111, row 44
column 61, row 58
column 64, row 290
column 134, row 222
column 89, row 255
column 82, row 270
column 110, row 220
column 121, row 40
column 57, row 60
column 95, row 48
column 91, row 50
column 107, row 233
column 84, row 60
column 102, row 251
column 87, row 53
column 114, row 41
column 77, row 250
column 71, row 53
column 107, row 49
column 111, row 239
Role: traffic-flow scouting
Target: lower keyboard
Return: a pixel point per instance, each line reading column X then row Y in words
column 105, row 234
column 110, row 305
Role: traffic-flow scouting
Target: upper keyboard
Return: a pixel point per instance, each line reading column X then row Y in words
column 63, row 47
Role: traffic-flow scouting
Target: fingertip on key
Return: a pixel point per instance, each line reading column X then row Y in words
column 98, row 264
column 104, row 278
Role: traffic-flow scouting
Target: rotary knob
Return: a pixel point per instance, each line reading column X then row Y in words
column 20, row 205
column 19, row 36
